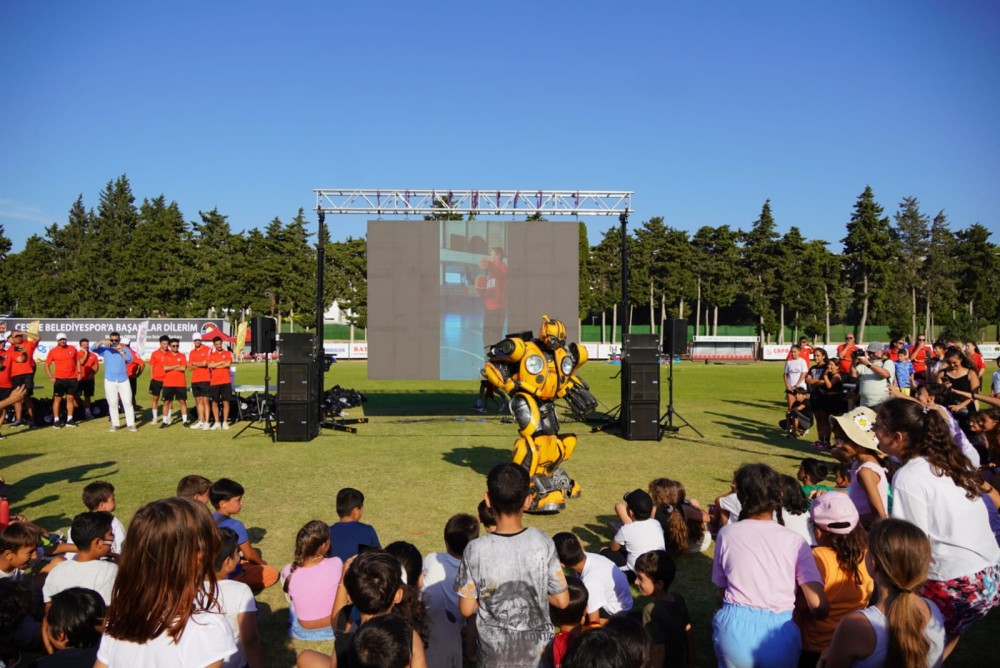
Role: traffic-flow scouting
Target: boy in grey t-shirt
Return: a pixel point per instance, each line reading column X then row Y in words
column 509, row 578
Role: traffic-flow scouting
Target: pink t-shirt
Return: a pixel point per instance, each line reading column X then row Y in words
column 313, row 589
column 760, row 564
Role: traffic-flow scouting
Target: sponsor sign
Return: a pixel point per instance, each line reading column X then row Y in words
column 96, row 329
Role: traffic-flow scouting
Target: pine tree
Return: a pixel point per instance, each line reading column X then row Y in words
column 913, row 232
column 979, row 282
column 868, row 253
column 759, row 255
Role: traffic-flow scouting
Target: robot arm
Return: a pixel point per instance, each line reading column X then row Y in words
column 498, row 375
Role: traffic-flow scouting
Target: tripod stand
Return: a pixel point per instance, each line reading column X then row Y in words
column 264, row 410
column 667, row 419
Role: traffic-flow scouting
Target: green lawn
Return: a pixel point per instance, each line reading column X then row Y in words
column 422, row 458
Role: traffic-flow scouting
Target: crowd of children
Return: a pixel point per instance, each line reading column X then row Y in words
column 887, row 566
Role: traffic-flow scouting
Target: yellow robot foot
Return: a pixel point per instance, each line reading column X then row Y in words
column 547, row 504
column 574, row 490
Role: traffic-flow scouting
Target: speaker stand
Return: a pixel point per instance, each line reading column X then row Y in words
column 667, row 419
column 264, row 414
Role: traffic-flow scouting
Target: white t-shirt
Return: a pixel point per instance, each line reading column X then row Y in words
column 796, row 369
column 800, row 524
column 117, row 528
column 207, row 638
column 958, row 527
column 444, row 645
column 97, row 575
column 607, row 586
column 872, row 388
column 235, row 598
column 639, row 538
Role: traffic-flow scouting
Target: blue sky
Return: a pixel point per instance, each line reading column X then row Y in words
column 704, row 109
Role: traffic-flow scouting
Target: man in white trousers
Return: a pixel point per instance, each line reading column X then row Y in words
column 117, row 356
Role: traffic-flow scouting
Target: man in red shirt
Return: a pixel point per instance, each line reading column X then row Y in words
column 174, row 382
column 22, row 372
column 156, row 374
column 200, row 377
column 88, row 368
column 844, row 351
column 494, row 293
column 219, row 361
column 63, row 369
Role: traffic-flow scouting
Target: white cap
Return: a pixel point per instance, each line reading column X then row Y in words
column 196, row 337
column 60, row 336
column 127, row 341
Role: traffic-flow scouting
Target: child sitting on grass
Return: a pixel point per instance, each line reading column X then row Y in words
column 72, row 629
column 642, row 534
column 487, row 517
column 194, row 487
column 311, row 582
column 100, row 496
column 93, row 537
column 373, row 583
column 569, row 621
column 349, row 533
column 666, row 618
column 227, row 499
column 444, row 647
column 799, row 418
column 812, row 472
column 237, row 603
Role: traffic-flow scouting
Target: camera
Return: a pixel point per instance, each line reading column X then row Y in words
column 855, row 354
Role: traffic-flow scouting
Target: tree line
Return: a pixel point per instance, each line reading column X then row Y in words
column 909, row 271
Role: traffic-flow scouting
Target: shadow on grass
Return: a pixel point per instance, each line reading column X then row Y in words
column 13, row 460
column 421, row 402
column 480, row 459
column 274, row 624
column 72, row 474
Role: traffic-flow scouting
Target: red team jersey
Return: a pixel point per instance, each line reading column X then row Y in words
column 89, row 362
column 220, row 376
column 65, row 361
column 199, row 374
column 174, row 378
column 156, row 363
column 27, row 351
column 7, row 362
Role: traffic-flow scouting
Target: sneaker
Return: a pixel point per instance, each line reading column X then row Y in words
column 153, row 421
column 133, row 428
column 205, row 426
column 185, row 425
column 225, row 425
column 71, row 423
column 164, row 425
column 215, row 426
column 17, row 423
column 56, row 425
column 113, row 429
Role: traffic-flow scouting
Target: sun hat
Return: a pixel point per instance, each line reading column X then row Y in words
column 859, row 427
column 834, row 512
column 60, row 336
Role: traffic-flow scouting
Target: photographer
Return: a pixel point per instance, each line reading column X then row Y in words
column 875, row 374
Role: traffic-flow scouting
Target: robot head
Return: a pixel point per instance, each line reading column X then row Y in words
column 552, row 333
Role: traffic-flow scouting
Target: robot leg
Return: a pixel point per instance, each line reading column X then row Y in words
column 525, row 410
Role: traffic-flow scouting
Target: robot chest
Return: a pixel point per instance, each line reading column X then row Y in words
column 538, row 373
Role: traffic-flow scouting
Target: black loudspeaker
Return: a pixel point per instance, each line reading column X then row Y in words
column 641, row 420
column 262, row 335
column 675, row 342
column 641, row 348
column 297, row 348
column 297, row 382
column 297, row 421
column 642, row 382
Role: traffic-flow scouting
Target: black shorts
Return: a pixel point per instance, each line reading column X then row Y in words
column 5, row 392
column 155, row 387
column 200, row 390
column 65, row 386
column 27, row 380
column 221, row 392
column 86, row 387
column 172, row 393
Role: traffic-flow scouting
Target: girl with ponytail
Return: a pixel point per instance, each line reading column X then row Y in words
column 938, row 492
column 310, row 583
column 900, row 629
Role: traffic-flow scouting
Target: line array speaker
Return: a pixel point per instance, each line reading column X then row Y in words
column 296, row 347
column 641, row 420
column 262, row 335
column 297, row 421
column 642, row 348
column 642, row 382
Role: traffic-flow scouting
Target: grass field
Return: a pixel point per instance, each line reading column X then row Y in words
column 422, row 458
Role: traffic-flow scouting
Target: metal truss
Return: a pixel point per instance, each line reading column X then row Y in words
column 474, row 202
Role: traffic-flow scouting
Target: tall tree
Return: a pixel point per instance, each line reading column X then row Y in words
column 979, row 282
column 717, row 259
column 759, row 261
column 792, row 289
column 912, row 230
column 347, row 263
column 583, row 280
column 160, row 278
column 107, row 250
column 868, row 252
column 940, row 273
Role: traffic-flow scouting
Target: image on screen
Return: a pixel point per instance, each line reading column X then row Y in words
column 441, row 292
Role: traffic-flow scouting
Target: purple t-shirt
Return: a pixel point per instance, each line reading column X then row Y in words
column 760, row 564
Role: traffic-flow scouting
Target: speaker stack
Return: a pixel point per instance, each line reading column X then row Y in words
column 262, row 335
column 298, row 389
column 640, row 413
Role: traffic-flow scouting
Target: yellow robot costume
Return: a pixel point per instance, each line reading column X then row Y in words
column 535, row 372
